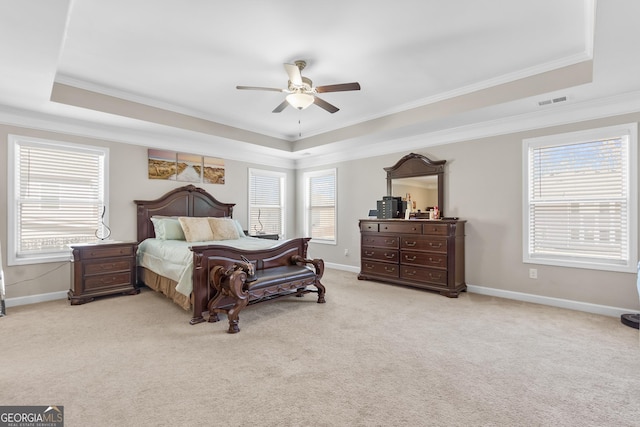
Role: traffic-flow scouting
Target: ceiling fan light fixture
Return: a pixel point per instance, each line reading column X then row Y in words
column 300, row 100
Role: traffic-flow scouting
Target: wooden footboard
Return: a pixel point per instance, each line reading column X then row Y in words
column 205, row 258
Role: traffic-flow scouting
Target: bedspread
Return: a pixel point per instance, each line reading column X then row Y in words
column 174, row 259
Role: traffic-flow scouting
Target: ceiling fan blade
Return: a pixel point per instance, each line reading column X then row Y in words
column 294, row 74
column 325, row 105
column 280, row 107
column 338, row 88
column 272, row 89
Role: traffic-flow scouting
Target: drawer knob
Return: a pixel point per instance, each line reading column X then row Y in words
column 389, row 269
column 410, row 258
column 411, row 243
column 389, row 255
column 389, row 241
column 369, row 253
column 433, row 245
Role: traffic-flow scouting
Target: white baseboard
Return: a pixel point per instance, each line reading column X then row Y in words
column 32, row 299
column 554, row 302
column 519, row 296
column 350, row 268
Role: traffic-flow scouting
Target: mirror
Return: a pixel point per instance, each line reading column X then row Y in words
column 419, row 176
column 423, row 191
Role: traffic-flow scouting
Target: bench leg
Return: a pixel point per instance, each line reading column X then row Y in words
column 234, row 315
column 235, row 288
column 321, row 291
column 213, row 307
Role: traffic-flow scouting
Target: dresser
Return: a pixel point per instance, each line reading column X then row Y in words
column 427, row 254
column 99, row 269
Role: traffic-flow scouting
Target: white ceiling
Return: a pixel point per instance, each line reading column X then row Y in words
column 163, row 73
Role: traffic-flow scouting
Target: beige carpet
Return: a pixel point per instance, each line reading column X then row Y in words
column 373, row 355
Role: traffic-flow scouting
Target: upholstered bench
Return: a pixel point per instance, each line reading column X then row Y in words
column 241, row 284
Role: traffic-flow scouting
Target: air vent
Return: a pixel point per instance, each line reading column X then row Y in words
column 552, row 101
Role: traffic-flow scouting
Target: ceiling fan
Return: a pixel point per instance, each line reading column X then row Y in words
column 301, row 92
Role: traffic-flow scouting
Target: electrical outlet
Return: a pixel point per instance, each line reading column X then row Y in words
column 346, row 252
column 533, row 273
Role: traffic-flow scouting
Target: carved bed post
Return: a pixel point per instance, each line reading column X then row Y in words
column 200, row 286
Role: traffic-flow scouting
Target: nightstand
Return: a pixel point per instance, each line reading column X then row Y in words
column 265, row 236
column 102, row 268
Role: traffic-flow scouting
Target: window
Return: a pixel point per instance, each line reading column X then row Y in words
column 580, row 199
column 266, row 202
column 57, row 197
column 320, row 205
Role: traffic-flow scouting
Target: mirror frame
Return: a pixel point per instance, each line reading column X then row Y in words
column 414, row 165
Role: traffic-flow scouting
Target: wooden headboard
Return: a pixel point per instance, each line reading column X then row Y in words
column 184, row 201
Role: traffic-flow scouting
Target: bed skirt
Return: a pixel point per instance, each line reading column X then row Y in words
column 164, row 285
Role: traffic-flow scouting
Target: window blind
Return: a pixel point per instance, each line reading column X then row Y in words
column 60, row 197
column 579, row 201
column 322, row 206
column 266, row 208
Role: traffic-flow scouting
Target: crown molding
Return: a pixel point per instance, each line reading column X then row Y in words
column 627, row 103
column 362, row 147
column 163, row 137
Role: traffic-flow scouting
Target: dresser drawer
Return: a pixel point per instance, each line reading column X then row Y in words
column 392, row 242
column 106, row 251
column 380, row 254
column 421, row 274
column 424, row 243
column 107, row 281
column 380, row 269
column 401, row 227
column 93, row 268
column 370, row 226
column 435, row 229
column 424, row 259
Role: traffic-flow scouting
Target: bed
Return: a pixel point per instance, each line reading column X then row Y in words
column 180, row 269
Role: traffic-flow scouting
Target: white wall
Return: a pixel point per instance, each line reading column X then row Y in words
column 483, row 185
column 127, row 182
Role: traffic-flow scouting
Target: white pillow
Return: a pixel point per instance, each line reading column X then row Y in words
column 196, row 229
column 159, row 232
column 239, row 227
column 223, row 229
column 167, row 228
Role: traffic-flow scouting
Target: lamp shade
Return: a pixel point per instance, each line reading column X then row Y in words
column 299, row 100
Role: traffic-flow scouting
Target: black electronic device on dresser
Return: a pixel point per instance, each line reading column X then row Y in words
column 391, row 207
